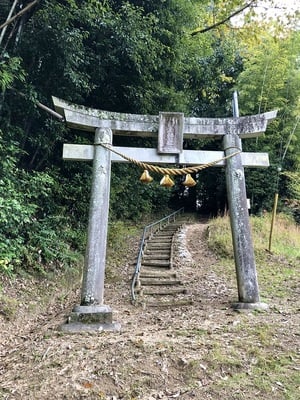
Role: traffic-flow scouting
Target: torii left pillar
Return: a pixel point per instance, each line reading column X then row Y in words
column 92, row 314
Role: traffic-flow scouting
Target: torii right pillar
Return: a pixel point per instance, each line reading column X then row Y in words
column 247, row 282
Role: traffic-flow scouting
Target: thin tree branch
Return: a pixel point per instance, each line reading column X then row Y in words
column 42, row 106
column 19, row 13
column 7, row 19
column 50, row 111
column 208, row 28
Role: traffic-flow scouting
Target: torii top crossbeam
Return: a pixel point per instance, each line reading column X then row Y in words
column 88, row 119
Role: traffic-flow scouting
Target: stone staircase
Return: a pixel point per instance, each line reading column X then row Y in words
column 158, row 283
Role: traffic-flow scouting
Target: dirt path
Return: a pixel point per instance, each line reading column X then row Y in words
column 183, row 353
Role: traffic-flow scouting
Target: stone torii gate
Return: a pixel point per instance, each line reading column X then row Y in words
column 170, row 129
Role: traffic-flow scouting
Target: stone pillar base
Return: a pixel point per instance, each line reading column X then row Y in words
column 250, row 306
column 90, row 318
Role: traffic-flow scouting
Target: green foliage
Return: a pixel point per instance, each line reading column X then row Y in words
column 292, row 194
column 10, row 70
column 293, row 185
column 129, row 56
column 256, row 183
column 56, row 58
column 213, row 77
column 131, row 199
column 271, row 80
column 28, row 233
column 15, row 210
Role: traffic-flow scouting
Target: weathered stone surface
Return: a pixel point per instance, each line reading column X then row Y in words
column 84, row 152
column 170, row 133
column 88, row 119
column 250, row 306
column 240, row 226
column 90, row 318
column 91, row 314
column 77, row 327
column 94, row 267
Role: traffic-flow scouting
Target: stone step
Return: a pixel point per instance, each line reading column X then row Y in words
column 161, row 240
column 159, row 263
column 159, row 282
column 154, row 252
column 159, row 246
column 169, row 232
column 164, row 292
column 158, row 269
column 176, row 303
column 157, row 274
column 156, row 257
column 153, row 255
column 164, row 233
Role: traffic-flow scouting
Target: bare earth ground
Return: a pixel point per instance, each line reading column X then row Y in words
column 203, row 351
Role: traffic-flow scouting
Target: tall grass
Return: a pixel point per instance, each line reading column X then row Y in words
column 285, row 237
column 277, row 269
column 261, row 357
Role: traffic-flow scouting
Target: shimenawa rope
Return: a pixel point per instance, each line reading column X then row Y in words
column 168, row 171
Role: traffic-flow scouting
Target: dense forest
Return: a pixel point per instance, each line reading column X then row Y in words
column 135, row 57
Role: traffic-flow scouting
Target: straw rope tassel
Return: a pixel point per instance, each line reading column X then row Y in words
column 168, row 171
column 189, row 181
